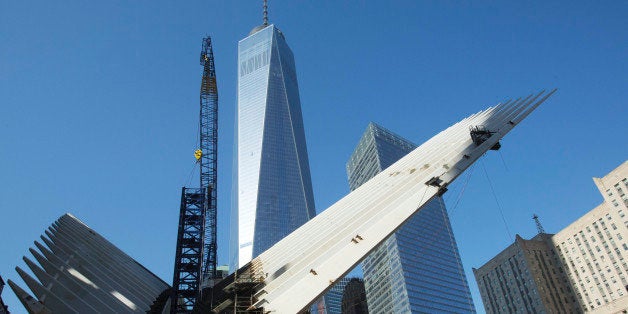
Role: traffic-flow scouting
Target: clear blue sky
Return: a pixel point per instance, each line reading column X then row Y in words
column 99, row 108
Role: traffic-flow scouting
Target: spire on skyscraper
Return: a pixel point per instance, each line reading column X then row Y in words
column 265, row 12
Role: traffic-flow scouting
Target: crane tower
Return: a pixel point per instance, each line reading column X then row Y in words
column 195, row 259
column 209, row 153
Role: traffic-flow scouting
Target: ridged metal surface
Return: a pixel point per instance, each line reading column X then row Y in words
column 79, row 271
column 306, row 263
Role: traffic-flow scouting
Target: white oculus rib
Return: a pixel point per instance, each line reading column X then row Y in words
column 79, row 271
column 295, row 271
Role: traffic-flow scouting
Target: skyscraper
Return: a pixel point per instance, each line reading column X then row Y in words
column 354, row 297
column 272, row 194
column 417, row 269
column 333, row 297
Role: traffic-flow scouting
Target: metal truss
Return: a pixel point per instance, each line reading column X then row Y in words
column 189, row 255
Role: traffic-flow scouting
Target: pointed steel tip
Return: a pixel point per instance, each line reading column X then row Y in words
column 19, row 292
column 20, row 272
column 33, row 251
column 29, row 263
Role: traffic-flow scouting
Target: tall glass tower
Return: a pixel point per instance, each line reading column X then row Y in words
column 417, row 269
column 272, row 192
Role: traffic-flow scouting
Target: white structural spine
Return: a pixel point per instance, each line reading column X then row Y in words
column 81, row 272
column 306, row 263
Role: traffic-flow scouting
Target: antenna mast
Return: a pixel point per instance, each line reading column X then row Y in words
column 265, row 12
column 539, row 228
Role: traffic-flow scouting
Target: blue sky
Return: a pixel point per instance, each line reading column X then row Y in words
column 99, row 108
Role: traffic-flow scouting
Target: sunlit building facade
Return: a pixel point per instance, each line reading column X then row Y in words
column 594, row 248
column 272, row 192
column 418, row 269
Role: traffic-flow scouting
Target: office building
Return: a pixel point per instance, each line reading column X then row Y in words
column 272, row 193
column 418, row 268
column 333, row 298
column 526, row 277
column 594, row 248
column 354, row 297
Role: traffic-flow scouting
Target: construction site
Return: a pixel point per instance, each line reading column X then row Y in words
column 116, row 130
column 76, row 263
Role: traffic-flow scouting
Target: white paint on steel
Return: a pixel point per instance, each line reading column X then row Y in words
column 306, row 263
column 81, row 272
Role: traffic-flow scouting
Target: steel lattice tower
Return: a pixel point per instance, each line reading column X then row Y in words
column 195, row 261
column 189, row 256
column 209, row 151
column 539, row 227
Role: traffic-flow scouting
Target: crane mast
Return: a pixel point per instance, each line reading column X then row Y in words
column 208, row 126
column 195, row 258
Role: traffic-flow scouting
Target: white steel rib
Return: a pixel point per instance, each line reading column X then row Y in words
column 79, row 271
column 304, row 265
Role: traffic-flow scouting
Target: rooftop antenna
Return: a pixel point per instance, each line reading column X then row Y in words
column 539, row 228
column 265, row 12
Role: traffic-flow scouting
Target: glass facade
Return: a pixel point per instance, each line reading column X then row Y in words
column 354, row 298
column 333, row 297
column 272, row 192
column 418, row 268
